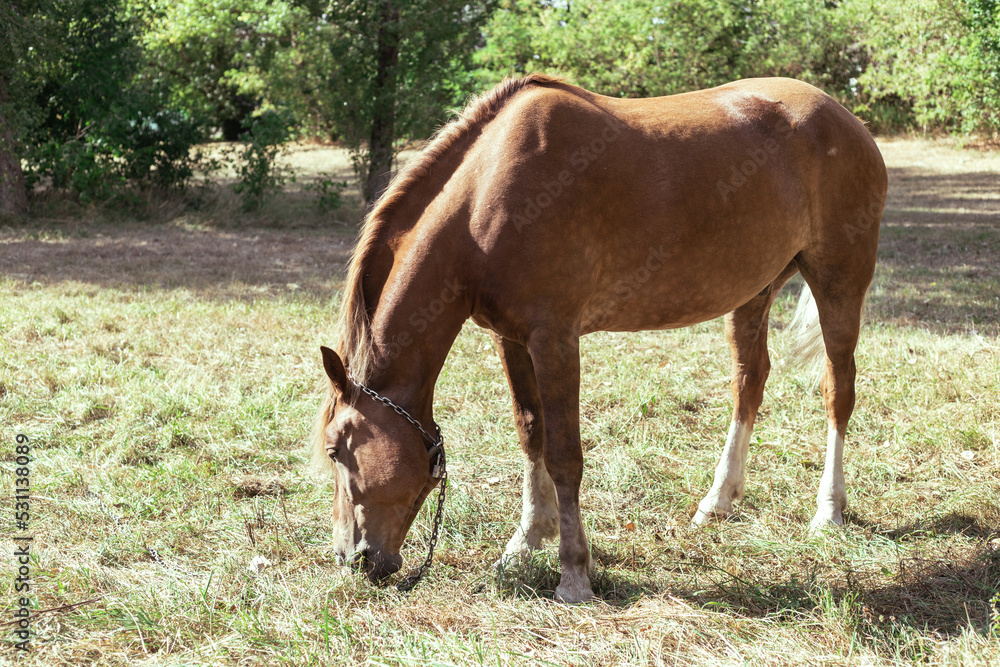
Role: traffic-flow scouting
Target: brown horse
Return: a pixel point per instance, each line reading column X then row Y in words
column 545, row 212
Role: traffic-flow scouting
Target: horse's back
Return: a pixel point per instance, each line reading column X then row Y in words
column 662, row 212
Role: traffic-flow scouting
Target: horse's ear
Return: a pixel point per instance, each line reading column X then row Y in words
column 334, row 369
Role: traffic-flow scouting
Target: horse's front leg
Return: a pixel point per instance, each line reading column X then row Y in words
column 556, row 359
column 539, row 508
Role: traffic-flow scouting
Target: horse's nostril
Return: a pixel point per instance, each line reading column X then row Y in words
column 357, row 559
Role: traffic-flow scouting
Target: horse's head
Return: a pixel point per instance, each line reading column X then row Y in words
column 382, row 474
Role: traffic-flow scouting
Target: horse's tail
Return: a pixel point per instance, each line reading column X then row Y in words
column 808, row 350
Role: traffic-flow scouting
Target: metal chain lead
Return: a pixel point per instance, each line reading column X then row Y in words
column 406, row 585
column 439, row 471
column 435, row 442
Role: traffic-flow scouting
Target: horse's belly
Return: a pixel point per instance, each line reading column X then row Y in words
column 659, row 294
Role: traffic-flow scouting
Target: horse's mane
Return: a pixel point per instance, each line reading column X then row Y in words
column 355, row 342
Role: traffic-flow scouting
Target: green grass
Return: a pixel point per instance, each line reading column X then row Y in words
column 166, row 374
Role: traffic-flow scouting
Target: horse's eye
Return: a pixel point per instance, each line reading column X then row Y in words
column 332, row 445
column 332, row 448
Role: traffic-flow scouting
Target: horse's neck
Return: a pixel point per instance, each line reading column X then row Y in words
column 421, row 309
column 416, row 282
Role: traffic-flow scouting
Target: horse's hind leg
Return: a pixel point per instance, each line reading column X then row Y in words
column 840, row 303
column 746, row 331
column 539, row 509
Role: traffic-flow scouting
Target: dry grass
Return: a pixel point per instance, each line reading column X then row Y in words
column 166, row 374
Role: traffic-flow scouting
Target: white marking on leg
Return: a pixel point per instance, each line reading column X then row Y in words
column 831, row 500
column 539, row 512
column 729, row 484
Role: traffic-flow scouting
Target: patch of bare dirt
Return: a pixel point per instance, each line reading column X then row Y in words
column 168, row 256
column 939, row 250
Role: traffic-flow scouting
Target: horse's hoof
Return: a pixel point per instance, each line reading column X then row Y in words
column 515, row 552
column 822, row 523
column 702, row 518
column 505, row 561
column 574, row 595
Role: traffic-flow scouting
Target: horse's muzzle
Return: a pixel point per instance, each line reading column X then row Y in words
column 376, row 565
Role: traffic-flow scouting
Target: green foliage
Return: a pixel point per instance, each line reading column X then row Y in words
column 75, row 166
column 257, row 167
column 898, row 63
column 92, row 57
column 136, row 143
column 329, row 193
column 938, row 58
column 154, row 146
column 217, row 54
column 995, row 620
column 95, row 125
column 22, row 34
column 981, row 94
column 370, row 72
column 435, row 41
column 638, row 48
column 396, row 68
column 811, row 40
column 99, row 98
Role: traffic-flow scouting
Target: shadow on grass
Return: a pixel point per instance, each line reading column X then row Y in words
column 536, row 577
column 954, row 523
column 221, row 263
column 941, row 594
column 942, row 591
column 940, row 237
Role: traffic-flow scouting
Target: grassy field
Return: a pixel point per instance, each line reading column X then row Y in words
column 166, row 372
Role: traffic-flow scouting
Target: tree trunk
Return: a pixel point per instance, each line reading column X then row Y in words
column 13, row 195
column 380, row 142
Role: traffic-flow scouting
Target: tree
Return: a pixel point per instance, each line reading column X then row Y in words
column 76, row 108
column 372, row 73
column 13, row 194
column 217, row 54
column 16, row 31
column 397, row 66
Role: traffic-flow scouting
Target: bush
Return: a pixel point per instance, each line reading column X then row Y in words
column 155, row 148
column 936, row 60
column 642, row 48
column 102, row 127
column 133, row 147
column 329, row 193
column 259, row 173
